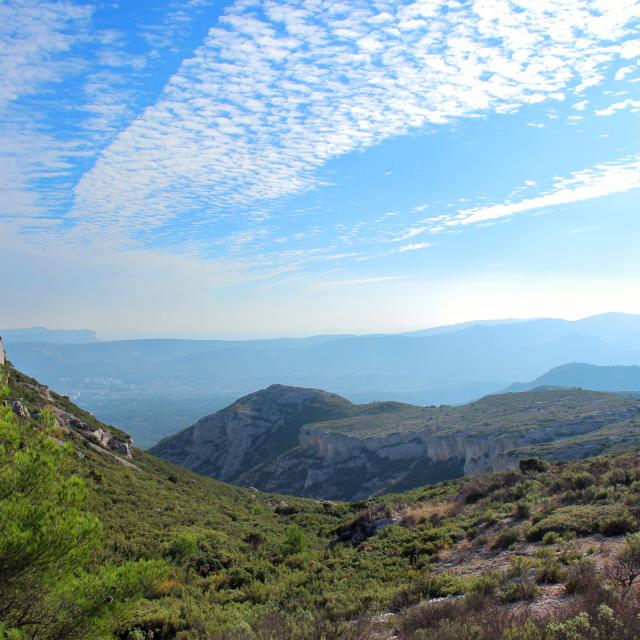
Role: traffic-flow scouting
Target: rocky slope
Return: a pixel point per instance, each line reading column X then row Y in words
column 252, row 430
column 311, row 443
column 28, row 399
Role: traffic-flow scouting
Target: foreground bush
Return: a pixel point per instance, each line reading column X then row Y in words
column 47, row 589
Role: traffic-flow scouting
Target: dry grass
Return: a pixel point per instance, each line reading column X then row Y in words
column 433, row 513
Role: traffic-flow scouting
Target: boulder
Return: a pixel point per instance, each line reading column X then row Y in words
column 20, row 410
column 101, row 437
column 43, row 390
column 106, row 440
column 123, row 448
column 67, row 420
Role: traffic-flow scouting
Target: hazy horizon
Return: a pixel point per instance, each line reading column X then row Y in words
column 106, row 337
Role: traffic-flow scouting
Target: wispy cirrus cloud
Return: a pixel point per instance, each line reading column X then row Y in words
column 629, row 103
column 596, row 182
column 278, row 89
column 147, row 160
column 275, row 92
column 415, row 246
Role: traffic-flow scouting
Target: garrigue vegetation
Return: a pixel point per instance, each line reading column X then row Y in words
column 99, row 549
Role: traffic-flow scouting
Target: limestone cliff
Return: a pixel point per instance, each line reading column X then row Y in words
column 312, row 443
column 251, row 431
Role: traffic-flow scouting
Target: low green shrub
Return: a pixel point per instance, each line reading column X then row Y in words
column 618, row 525
column 522, row 511
column 551, row 572
column 532, row 465
column 551, row 537
column 506, row 538
column 577, row 479
column 519, row 565
column 582, row 519
column 485, row 585
column 183, row 547
column 518, row 591
column 619, row 477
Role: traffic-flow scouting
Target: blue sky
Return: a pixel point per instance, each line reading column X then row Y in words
column 307, row 166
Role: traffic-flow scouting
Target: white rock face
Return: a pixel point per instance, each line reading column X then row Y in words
column 226, row 443
column 477, row 453
column 274, row 440
column 70, row 423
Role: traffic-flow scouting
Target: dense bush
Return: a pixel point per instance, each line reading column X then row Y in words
column 533, row 465
column 506, row 538
column 618, row 524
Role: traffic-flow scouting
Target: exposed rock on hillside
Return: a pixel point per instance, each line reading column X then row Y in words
column 29, row 399
column 312, row 443
column 20, row 410
column 252, row 431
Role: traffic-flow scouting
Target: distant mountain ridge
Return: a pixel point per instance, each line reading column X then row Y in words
column 316, row 444
column 460, row 326
column 156, row 387
column 623, row 379
column 42, row 334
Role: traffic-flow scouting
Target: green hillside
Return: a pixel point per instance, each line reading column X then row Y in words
column 527, row 549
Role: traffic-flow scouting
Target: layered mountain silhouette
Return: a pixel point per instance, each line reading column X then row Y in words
column 171, row 383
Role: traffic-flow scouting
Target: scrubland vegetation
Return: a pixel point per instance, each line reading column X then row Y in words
column 91, row 548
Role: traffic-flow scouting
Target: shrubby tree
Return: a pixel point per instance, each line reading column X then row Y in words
column 294, row 541
column 532, row 465
column 625, row 570
column 48, row 588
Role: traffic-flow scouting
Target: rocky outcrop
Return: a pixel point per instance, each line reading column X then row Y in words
column 68, row 421
column 123, row 448
column 282, row 439
column 103, row 438
column 20, row 410
column 252, row 431
column 35, row 404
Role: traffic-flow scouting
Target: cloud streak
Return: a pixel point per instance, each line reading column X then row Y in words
column 597, row 182
column 416, row 246
column 68, row 85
